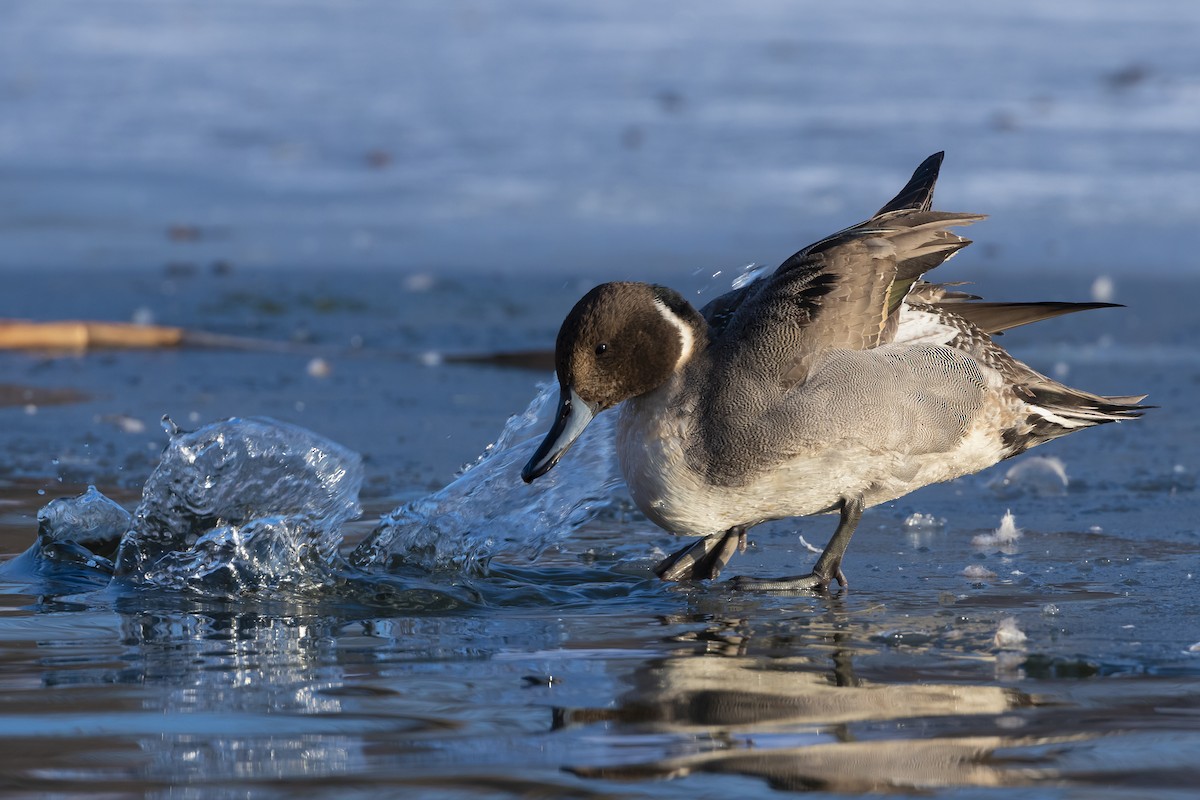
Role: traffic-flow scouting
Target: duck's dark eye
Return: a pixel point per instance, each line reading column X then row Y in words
column 602, row 348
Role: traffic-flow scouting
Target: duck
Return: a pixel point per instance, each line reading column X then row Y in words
column 842, row 380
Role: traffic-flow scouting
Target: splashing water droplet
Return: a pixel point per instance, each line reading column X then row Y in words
column 750, row 273
column 489, row 510
column 241, row 507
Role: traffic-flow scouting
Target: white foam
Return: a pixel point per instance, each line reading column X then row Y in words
column 1003, row 538
column 1009, row 636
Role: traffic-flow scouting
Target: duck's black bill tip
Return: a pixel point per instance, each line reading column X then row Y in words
column 534, row 469
column 573, row 416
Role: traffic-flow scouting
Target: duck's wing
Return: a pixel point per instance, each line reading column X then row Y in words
column 917, row 195
column 845, row 291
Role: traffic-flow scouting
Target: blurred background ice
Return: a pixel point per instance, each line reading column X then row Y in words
column 618, row 138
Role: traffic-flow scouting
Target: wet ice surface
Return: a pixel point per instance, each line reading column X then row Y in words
column 472, row 635
column 526, row 648
column 590, row 134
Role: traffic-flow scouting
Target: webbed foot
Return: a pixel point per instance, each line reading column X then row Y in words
column 817, row 584
column 828, row 567
column 702, row 560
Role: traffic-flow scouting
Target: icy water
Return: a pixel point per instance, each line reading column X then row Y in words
column 314, row 599
column 525, row 650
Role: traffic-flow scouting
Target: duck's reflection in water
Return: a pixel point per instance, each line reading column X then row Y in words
column 802, row 725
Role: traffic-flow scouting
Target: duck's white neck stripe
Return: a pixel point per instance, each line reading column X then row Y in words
column 687, row 339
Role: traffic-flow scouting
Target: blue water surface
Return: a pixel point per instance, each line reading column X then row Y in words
column 377, row 198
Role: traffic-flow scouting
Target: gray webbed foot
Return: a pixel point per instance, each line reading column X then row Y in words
column 702, row 560
column 828, row 567
column 817, row 584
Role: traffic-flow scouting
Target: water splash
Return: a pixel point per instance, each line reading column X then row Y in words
column 76, row 539
column 240, row 507
column 488, row 511
column 1003, row 538
column 749, row 274
column 254, row 508
column 83, row 530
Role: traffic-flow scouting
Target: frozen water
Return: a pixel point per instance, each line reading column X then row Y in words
column 1039, row 476
column 598, row 132
column 488, row 510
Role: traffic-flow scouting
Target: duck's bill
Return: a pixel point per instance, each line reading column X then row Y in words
column 573, row 416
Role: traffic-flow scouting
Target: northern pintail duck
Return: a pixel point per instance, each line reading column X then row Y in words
column 840, row 381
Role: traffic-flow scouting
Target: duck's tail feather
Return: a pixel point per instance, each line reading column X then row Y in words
column 1056, row 410
column 993, row 318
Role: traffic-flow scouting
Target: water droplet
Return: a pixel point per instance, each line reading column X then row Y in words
column 319, row 368
column 1103, row 289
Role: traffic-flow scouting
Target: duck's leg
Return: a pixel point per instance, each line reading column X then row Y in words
column 828, row 567
column 702, row 560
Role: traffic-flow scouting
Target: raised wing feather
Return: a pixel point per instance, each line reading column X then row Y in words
column 842, row 292
column 917, row 195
